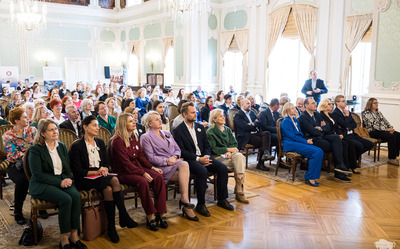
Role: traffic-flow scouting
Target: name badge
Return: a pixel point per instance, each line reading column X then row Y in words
column 198, row 129
column 137, row 147
column 349, row 132
column 140, row 130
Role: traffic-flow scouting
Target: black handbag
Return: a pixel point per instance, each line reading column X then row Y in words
column 27, row 238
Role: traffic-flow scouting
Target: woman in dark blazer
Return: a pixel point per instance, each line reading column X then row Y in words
column 88, row 157
column 208, row 107
column 51, row 181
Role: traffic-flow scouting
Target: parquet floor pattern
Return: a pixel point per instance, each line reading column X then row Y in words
column 335, row 215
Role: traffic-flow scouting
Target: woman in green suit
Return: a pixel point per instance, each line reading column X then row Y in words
column 51, row 181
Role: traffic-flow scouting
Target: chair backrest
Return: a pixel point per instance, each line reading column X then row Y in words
column 3, row 130
column 109, row 154
column 279, row 134
column 67, row 137
column 172, row 112
column 119, row 102
column 25, row 164
column 4, row 104
column 362, row 131
column 255, row 111
column 357, row 119
column 231, row 116
column 104, row 134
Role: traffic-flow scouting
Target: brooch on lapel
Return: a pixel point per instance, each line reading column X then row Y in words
column 167, row 136
column 140, row 130
column 137, row 148
column 198, row 129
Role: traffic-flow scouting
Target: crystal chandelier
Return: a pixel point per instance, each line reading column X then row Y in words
column 184, row 7
column 28, row 17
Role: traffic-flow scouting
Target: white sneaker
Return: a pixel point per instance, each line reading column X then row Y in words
column 393, row 162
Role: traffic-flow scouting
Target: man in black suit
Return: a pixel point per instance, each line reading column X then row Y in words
column 313, row 127
column 268, row 119
column 248, row 132
column 192, row 139
column 73, row 122
column 314, row 87
column 346, row 123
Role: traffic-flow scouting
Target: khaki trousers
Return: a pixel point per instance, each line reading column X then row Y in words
column 237, row 163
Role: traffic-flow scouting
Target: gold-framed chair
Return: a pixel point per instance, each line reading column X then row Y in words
column 172, row 111
column 67, row 136
column 4, row 164
column 36, row 204
column 292, row 158
column 104, row 134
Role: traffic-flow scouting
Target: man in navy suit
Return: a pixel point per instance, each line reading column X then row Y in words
column 248, row 131
column 346, row 123
column 192, row 140
column 314, row 127
column 268, row 119
column 314, row 87
column 200, row 94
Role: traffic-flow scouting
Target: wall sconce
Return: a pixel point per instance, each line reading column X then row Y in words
column 153, row 58
column 46, row 57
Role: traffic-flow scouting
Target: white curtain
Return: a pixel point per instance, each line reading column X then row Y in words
column 356, row 27
column 278, row 21
column 136, row 49
column 226, row 41
column 242, row 40
column 167, row 43
column 305, row 17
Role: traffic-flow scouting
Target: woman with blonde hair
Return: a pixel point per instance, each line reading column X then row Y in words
column 41, row 112
column 162, row 151
column 142, row 101
column 238, row 100
column 224, row 146
column 86, row 108
column 111, row 105
column 380, row 128
column 133, row 168
column 293, row 141
column 51, row 181
column 29, row 110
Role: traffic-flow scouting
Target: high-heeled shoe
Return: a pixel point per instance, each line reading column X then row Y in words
column 315, row 184
column 195, row 218
column 152, row 225
column 161, row 221
column 187, row 205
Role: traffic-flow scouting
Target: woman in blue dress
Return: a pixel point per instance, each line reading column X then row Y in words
column 293, row 141
column 142, row 101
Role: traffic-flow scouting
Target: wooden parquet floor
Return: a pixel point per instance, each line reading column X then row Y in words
column 335, row 215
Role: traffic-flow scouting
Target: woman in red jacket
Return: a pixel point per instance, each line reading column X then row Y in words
column 133, row 168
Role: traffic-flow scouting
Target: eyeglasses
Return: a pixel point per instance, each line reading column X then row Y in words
column 330, row 104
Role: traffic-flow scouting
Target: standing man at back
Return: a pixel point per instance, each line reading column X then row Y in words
column 314, row 87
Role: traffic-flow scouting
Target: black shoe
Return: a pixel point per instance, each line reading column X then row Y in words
column 78, row 244
column 152, row 225
column 356, row 172
column 112, row 234
column 267, row 156
column 202, row 209
column 343, row 169
column 43, row 214
column 127, row 221
column 225, row 204
column 161, row 221
column 66, row 246
column 342, row 177
column 261, row 166
column 19, row 218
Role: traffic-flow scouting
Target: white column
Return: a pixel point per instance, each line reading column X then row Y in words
column 252, row 53
column 262, row 48
column 322, row 49
column 94, row 4
column 335, row 47
column 23, row 42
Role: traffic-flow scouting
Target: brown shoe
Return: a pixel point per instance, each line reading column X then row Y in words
column 240, row 197
column 393, row 162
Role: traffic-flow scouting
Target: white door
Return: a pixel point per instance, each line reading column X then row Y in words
column 77, row 70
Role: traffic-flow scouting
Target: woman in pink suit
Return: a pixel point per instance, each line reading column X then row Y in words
column 162, row 151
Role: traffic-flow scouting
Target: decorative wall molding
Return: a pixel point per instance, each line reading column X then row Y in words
column 378, row 85
column 383, row 5
column 257, row 3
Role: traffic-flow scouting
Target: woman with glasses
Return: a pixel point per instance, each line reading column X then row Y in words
column 380, row 128
column 29, row 110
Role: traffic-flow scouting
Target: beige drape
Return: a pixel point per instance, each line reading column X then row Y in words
column 278, row 20
column 167, row 43
column 136, row 49
column 356, row 27
column 305, row 17
column 242, row 40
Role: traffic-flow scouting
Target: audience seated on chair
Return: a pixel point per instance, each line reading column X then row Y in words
column 192, row 140
column 253, row 103
column 55, row 106
column 139, row 127
column 86, row 108
column 224, row 149
column 248, row 131
column 380, row 128
column 133, row 168
column 206, row 109
column 41, row 112
column 347, row 125
column 313, row 127
column 51, row 181
column 73, row 122
column 162, row 151
column 159, row 107
column 104, row 119
column 88, row 157
column 220, row 100
column 294, row 141
column 200, row 94
column 142, row 101
column 300, row 105
column 268, row 119
column 179, row 119
column 227, row 104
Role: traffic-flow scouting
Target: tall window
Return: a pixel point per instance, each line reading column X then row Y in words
column 361, row 60
column 169, row 76
column 288, row 68
column 133, row 70
column 233, row 71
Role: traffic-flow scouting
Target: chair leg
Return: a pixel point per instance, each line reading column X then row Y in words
column 215, row 187
column 34, row 226
column 1, row 185
column 277, row 165
column 294, row 163
column 374, row 152
column 379, row 150
column 247, row 158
